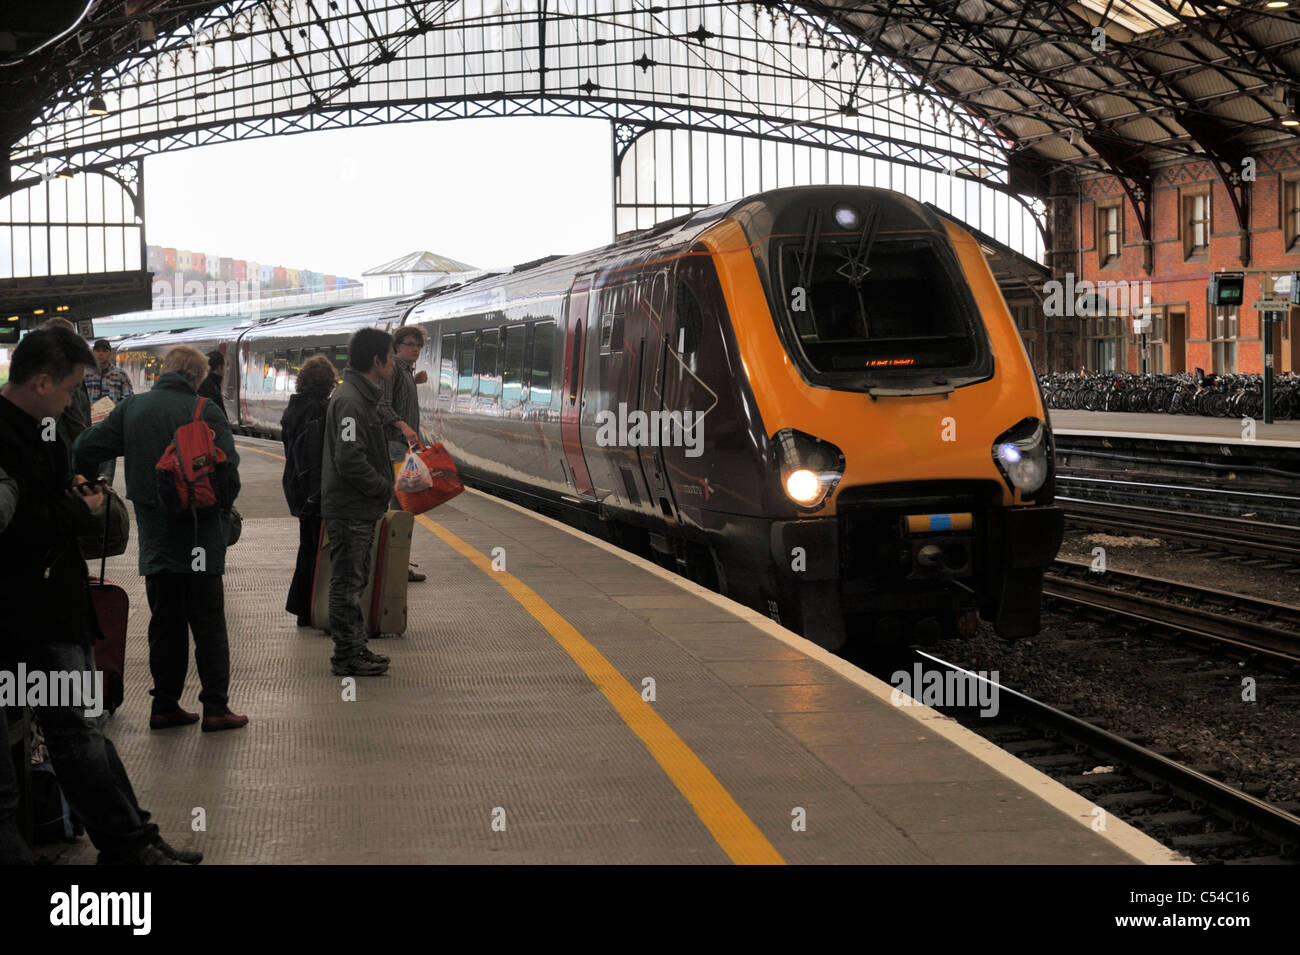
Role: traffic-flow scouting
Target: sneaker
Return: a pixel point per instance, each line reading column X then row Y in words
column 147, row 854
column 358, row 665
column 224, row 721
column 370, row 656
column 185, row 856
column 179, row 717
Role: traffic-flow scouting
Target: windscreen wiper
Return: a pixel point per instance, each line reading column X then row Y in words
column 812, row 236
column 855, row 268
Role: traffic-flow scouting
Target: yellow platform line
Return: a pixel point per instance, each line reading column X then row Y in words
column 249, row 447
column 734, row 831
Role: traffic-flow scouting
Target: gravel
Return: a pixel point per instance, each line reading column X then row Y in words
column 1173, row 696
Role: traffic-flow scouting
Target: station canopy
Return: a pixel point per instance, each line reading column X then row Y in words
column 1075, row 83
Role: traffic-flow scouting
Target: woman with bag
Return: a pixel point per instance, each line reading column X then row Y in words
column 302, row 430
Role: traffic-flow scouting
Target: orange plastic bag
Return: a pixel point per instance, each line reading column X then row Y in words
column 446, row 482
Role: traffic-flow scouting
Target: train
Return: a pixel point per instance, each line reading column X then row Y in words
column 813, row 400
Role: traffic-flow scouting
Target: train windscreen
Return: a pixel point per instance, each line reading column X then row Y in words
column 876, row 312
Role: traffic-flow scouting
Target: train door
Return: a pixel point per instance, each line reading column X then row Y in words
column 572, row 402
column 650, row 388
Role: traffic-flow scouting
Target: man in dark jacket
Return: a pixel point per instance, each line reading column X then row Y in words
column 76, row 418
column 182, row 559
column 211, row 386
column 49, row 620
column 356, row 480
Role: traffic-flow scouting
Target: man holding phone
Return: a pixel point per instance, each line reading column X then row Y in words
column 50, row 623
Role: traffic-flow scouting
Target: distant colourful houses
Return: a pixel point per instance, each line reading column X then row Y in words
column 169, row 265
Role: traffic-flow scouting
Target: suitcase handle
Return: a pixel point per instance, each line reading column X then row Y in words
column 108, row 513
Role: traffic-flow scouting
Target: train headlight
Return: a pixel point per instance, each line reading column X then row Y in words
column 1021, row 455
column 810, row 467
column 803, row 486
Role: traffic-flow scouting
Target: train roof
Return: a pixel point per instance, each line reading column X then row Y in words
column 183, row 336
column 371, row 313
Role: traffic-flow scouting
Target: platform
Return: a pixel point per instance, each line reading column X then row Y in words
column 1182, row 428
column 512, row 725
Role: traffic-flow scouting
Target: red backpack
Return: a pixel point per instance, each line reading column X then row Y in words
column 185, row 473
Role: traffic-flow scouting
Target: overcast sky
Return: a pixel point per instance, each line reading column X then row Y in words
column 484, row 191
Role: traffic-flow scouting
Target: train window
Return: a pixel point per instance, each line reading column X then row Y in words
column 487, row 377
column 268, row 377
column 690, row 320
column 512, row 377
column 539, row 387
column 882, row 307
column 611, row 333
column 447, row 366
column 465, row 362
column 281, row 370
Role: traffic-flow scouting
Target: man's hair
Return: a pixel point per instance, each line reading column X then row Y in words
column 408, row 331
column 367, row 345
column 187, row 360
column 58, row 321
column 215, row 359
column 50, row 350
column 316, row 377
column 103, row 345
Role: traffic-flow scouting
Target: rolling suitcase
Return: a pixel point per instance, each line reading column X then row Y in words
column 112, row 607
column 383, row 602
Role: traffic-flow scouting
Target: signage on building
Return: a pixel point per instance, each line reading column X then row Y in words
column 1227, row 288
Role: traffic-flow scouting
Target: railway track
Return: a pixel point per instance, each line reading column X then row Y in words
column 1185, row 808
column 1145, row 490
column 1274, row 546
column 1256, row 626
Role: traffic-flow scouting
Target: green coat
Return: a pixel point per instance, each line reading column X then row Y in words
column 141, row 427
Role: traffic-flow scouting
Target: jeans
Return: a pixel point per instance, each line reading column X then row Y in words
column 89, row 771
column 13, row 851
column 304, row 572
column 350, row 556
column 179, row 603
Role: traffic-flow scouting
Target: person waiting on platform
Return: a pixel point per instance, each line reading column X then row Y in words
column 50, row 623
column 302, row 429
column 182, row 559
column 106, row 380
column 400, row 407
column 13, row 851
column 76, row 418
column 356, row 482
column 211, row 386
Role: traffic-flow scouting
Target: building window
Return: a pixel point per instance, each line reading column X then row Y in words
column 1108, row 233
column 1223, row 340
column 1291, row 214
column 395, row 283
column 1196, row 223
